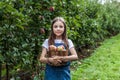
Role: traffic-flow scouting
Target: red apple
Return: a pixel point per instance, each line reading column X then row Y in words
column 52, row 48
column 42, row 30
column 52, row 8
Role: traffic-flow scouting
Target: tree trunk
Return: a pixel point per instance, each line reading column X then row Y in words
column 0, row 70
column 7, row 71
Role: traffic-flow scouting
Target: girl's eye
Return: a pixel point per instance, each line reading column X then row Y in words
column 61, row 26
column 55, row 26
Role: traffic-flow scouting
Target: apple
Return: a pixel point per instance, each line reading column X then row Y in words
column 60, row 48
column 42, row 30
column 52, row 8
column 52, row 48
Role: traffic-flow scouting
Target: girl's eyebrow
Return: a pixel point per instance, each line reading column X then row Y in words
column 58, row 25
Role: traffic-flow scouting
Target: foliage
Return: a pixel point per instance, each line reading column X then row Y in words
column 25, row 24
column 15, row 49
column 103, row 64
column 109, row 18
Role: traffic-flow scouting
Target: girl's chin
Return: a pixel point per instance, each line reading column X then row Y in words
column 58, row 35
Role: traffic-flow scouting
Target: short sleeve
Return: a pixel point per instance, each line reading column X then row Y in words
column 45, row 44
column 70, row 43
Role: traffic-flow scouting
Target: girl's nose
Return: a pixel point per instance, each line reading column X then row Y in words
column 58, row 27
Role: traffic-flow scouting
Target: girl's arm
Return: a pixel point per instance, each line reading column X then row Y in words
column 71, row 57
column 52, row 60
column 43, row 54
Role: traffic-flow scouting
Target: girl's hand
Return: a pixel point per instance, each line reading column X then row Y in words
column 63, row 59
column 55, row 60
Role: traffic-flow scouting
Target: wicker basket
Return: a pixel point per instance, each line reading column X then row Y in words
column 58, row 53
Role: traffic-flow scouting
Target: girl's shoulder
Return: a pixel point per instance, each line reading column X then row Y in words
column 70, row 43
column 45, row 43
column 69, row 40
column 46, row 40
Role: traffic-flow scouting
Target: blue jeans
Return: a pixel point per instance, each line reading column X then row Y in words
column 57, row 73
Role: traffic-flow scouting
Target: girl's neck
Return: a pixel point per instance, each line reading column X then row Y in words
column 58, row 37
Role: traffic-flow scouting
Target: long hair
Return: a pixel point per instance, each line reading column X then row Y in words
column 53, row 36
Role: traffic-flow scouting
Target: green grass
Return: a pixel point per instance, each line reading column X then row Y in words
column 103, row 64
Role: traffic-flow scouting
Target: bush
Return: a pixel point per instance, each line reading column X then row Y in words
column 24, row 25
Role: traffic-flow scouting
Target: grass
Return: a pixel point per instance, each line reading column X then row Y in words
column 103, row 64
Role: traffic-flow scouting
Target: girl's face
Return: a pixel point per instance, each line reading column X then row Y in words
column 58, row 29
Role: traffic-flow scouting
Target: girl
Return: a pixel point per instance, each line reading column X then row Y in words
column 58, row 37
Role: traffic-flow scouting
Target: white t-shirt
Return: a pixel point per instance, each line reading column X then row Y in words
column 46, row 45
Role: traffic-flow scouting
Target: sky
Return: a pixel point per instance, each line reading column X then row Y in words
column 103, row 1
